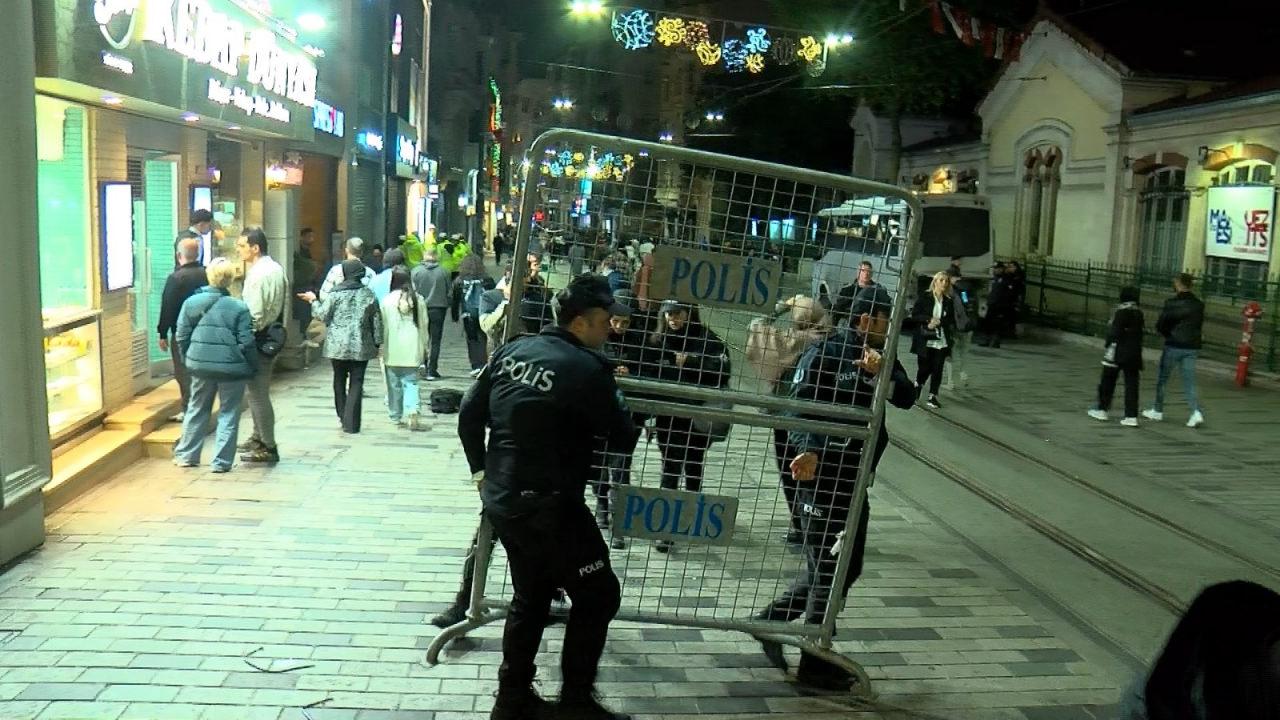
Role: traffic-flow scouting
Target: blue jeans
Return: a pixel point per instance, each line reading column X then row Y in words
column 402, row 392
column 1170, row 358
column 196, row 421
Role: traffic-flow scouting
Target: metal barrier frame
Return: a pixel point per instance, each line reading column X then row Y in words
column 815, row 639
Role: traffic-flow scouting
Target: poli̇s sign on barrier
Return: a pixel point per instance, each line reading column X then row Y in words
column 657, row 514
column 1241, row 221
column 711, row 279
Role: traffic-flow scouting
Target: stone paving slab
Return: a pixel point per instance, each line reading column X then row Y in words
column 153, row 594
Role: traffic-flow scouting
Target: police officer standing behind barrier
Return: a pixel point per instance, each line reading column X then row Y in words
column 841, row 369
column 545, row 398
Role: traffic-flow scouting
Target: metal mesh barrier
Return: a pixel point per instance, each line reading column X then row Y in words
column 711, row 253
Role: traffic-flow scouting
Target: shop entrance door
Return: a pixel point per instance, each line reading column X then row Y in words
column 154, row 178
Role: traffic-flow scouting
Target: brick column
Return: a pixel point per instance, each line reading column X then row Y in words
column 24, row 422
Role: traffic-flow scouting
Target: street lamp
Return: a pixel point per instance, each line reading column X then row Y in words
column 311, row 22
column 715, row 116
column 666, row 137
column 563, row 104
column 586, row 7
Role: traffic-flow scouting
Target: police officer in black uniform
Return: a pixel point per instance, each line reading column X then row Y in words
column 546, row 399
column 842, row 369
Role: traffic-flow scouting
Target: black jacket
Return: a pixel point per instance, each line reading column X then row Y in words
column 922, row 313
column 1181, row 321
column 707, row 363
column 545, row 398
column 1125, row 332
column 826, row 373
column 182, row 284
column 627, row 350
column 1004, row 292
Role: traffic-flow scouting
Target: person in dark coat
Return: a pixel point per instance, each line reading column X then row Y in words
column 625, row 347
column 180, row 285
column 1002, row 301
column 683, row 350
column 215, row 334
column 934, row 315
column 1123, row 354
column 1181, row 324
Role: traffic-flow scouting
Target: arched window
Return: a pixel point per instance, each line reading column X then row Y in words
column 1235, row 276
column 1163, row 208
column 1038, row 200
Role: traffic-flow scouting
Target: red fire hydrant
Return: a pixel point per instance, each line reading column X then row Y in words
column 1252, row 311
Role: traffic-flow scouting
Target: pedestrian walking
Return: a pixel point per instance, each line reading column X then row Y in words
column 965, row 300
column 404, row 325
column 1002, row 300
column 577, row 258
column 532, row 474
column 775, row 352
column 353, row 249
column 1122, row 355
column 470, row 286
column 214, row 333
column 842, row 369
column 353, row 332
column 433, row 283
column 1181, row 324
column 1221, row 662
column 683, row 350
column 381, row 283
column 180, row 285
column 935, row 317
column 265, row 290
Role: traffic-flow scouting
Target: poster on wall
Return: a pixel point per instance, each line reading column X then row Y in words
column 117, row 236
column 1241, row 221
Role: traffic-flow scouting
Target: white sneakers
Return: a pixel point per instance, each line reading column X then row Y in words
column 1097, row 414
column 1129, row 422
column 1196, row 420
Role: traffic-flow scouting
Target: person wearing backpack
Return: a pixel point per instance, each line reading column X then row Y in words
column 404, row 321
column 469, row 289
column 214, row 331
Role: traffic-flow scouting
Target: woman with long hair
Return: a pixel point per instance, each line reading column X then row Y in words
column 683, row 350
column 934, row 314
column 404, row 320
column 468, row 290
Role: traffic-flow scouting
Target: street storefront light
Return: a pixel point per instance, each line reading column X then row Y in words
column 190, row 117
column 311, row 22
column 666, row 137
column 562, row 104
column 835, row 39
column 587, row 7
column 112, row 100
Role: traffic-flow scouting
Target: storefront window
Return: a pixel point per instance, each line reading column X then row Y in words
column 72, row 357
column 228, row 208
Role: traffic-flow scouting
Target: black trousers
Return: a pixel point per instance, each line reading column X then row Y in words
column 435, row 329
column 348, row 392
column 822, row 508
column 683, row 451
column 558, row 546
column 1107, row 389
column 616, row 466
column 783, row 455
column 931, row 363
column 477, row 341
column 463, row 598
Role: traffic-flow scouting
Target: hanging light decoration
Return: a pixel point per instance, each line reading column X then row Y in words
column 755, row 63
column 696, row 32
column 708, row 52
column 671, row 31
column 633, row 29
column 784, row 51
column 735, row 55
column 758, row 41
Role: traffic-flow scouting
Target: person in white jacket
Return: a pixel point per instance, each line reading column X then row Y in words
column 404, row 319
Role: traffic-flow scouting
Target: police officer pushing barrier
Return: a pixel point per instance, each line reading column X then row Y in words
column 545, row 399
column 842, row 369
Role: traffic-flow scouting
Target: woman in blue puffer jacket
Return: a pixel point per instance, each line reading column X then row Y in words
column 216, row 337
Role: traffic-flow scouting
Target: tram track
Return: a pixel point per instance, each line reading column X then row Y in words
column 1072, row 542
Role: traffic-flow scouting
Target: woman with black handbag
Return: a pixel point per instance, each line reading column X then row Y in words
column 683, row 350
column 935, row 317
column 1123, row 354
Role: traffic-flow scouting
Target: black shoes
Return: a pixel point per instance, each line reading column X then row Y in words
column 249, row 445
column 817, row 673
column 794, row 537
column 522, row 703
column 663, row 546
column 585, row 706
column 261, row 454
column 618, row 543
column 450, row 617
column 602, row 514
column 773, row 651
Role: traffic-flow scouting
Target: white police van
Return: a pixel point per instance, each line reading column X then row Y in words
column 872, row 229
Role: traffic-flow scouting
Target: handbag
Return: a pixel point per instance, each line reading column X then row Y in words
column 270, row 339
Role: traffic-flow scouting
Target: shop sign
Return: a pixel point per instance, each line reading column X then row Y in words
column 216, row 58
column 1241, row 222
column 404, row 155
column 370, row 141
column 329, row 120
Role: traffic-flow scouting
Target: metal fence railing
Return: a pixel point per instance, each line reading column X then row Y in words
column 1079, row 297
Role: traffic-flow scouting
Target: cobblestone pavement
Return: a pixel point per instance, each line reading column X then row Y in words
column 172, row 594
column 1034, row 393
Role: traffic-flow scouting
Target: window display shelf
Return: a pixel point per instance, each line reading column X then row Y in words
column 73, row 369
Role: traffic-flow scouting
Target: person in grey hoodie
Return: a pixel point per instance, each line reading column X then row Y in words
column 434, row 284
column 215, row 334
column 353, row 333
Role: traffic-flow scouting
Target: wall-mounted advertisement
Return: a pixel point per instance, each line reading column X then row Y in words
column 1240, row 222
column 117, row 236
column 214, row 58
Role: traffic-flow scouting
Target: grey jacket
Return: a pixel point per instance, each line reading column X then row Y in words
column 215, row 334
column 353, row 322
column 433, row 283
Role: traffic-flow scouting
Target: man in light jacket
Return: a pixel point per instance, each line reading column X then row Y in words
column 354, row 250
column 265, row 290
column 433, row 283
